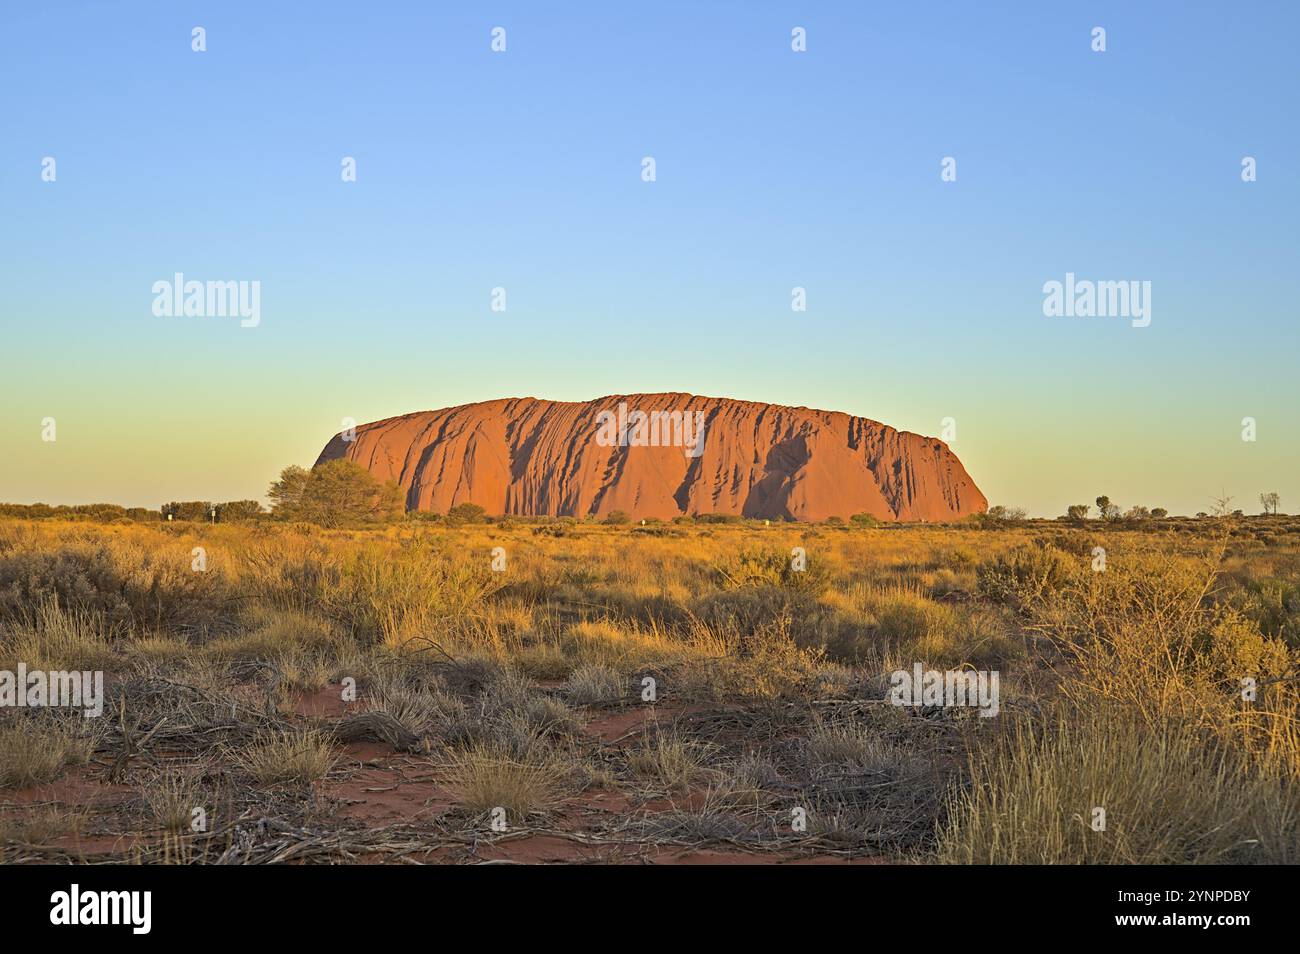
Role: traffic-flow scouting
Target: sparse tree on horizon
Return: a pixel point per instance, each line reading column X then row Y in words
column 999, row 515
column 334, row 494
column 286, row 494
column 186, row 509
column 467, row 513
column 1222, row 504
column 236, row 510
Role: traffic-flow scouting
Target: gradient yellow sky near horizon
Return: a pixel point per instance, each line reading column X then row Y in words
column 201, row 437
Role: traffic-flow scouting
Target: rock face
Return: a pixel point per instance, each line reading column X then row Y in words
column 528, row 457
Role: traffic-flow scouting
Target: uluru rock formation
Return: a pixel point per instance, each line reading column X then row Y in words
column 681, row 454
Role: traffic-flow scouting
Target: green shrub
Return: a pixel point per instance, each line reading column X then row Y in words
column 467, row 513
column 1024, row 574
column 768, row 567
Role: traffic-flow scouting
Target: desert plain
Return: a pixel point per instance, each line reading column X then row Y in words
column 471, row 689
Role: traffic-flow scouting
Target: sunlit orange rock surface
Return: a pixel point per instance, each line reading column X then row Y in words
column 524, row 456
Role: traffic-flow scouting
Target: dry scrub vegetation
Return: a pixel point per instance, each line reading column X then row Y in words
column 333, row 696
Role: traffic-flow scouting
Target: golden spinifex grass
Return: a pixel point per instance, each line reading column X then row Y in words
column 52, row 638
column 300, row 757
column 1098, row 785
column 668, row 762
column 35, row 749
column 485, row 778
column 665, row 686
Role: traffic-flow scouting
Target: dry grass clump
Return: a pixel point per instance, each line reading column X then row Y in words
column 545, row 661
column 850, row 749
column 669, row 762
column 35, row 751
column 901, row 615
column 1172, row 795
column 507, row 713
column 269, row 633
column 594, row 685
column 57, row 638
column 420, row 709
column 304, row 671
column 484, row 778
column 380, row 588
column 39, row 825
column 550, row 718
column 27, row 758
column 514, row 716
column 871, row 779
column 752, row 774
column 470, row 674
column 1028, row 573
column 713, row 821
column 631, row 646
column 395, row 595
column 904, row 613
column 300, row 756
column 157, row 650
column 171, row 798
column 983, row 640
column 751, row 667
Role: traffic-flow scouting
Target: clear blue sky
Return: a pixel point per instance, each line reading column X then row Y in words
column 775, row 169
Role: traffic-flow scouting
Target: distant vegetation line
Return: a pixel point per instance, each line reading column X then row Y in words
column 341, row 493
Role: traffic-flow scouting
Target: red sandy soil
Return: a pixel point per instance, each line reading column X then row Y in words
column 385, row 787
column 80, row 788
column 374, row 786
column 78, row 785
column 630, row 723
column 326, row 703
